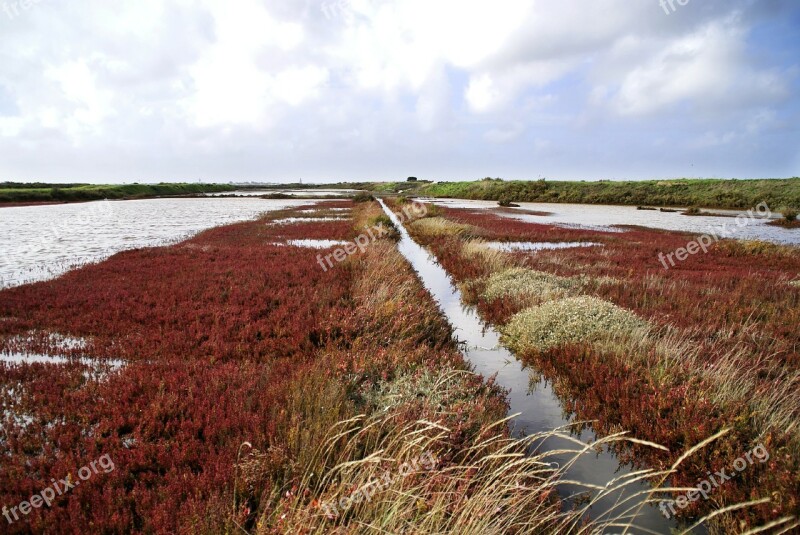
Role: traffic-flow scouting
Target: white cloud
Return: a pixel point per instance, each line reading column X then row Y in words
column 505, row 135
column 361, row 88
column 85, row 106
column 230, row 84
column 704, row 68
column 482, row 93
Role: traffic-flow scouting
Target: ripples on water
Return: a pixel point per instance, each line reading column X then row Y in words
column 538, row 246
column 603, row 217
column 42, row 242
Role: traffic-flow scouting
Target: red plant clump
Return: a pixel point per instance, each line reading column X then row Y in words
column 212, row 332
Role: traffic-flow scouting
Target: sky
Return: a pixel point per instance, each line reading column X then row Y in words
column 339, row 90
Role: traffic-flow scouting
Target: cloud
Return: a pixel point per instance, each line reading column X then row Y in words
column 358, row 89
column 705, row 68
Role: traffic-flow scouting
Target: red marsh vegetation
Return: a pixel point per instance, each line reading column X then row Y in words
column 721, row 349
column 256, row 389
column 213, row 330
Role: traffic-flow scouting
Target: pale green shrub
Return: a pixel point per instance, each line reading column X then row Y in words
column 492, row 259
column 570, row 320
column 530, row 286
column 438, row 226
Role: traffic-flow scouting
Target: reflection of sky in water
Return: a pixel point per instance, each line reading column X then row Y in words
column 538, row 246
column 601, row 217
column 538, row 407
column 38, row 358
column 41, row 242
column 294, row 220
column 316, row 244
column 307, row 193
column 59, row 345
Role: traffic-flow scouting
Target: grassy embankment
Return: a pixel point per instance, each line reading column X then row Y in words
column 238, row 346
column 56, row 193
column 783, row 194
column 779, row 194
column 674, row 356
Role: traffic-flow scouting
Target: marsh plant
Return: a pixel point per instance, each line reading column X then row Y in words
column 694, row 351
column 570, row 320
column 531, row 287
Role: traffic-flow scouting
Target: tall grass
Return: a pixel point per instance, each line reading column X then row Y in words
column 707, row 193
column 721, row 350
column 491, row 485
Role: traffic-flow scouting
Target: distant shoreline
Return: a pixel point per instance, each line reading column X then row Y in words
column 15, row 194
column 779, row 194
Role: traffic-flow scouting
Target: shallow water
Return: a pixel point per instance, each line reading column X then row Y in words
column 538, row 407
column 295, row 220
column 604, row 217
column 306, row 193
column 316, row 210
column 538, row 246
column 18, row 359
column 42, row 242
column 316, row 244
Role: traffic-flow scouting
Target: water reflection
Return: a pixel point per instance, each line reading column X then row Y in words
column 531, row 396
column 42, row 242
column 604, row 217
column 538, row 246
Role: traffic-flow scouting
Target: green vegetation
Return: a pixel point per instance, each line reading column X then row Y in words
column 777, row 193
column 570, row 320
column 11, row 192
column 529, row 286
column 397, row 187
column 363, row 197
column 629, row 346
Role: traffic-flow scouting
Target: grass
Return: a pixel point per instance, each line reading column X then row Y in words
column 493, row 486
column 438, row 226
column 789, row 220
column 721, row 351
column 777, row 193
column 215, row 332
column 568, row 321
column 23, row 193
column 258, row 387
column 527, row 287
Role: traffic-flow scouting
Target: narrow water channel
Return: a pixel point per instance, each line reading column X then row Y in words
column 538, row 407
